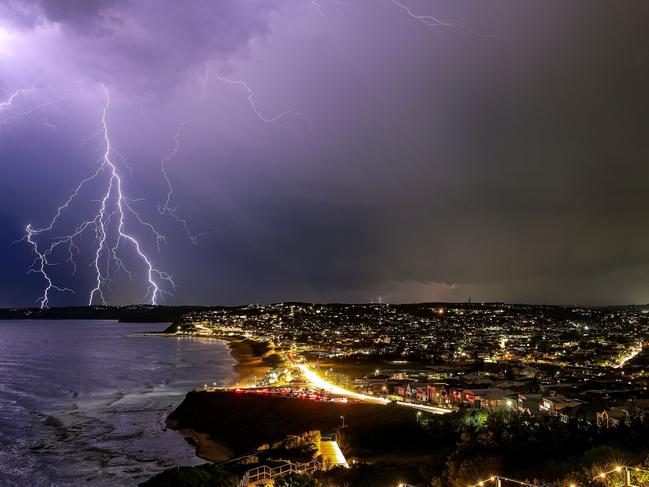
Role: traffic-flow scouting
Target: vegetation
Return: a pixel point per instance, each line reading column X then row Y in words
column 296, row 448
column 388, row 445
column 242, row 422
column 478, row 445
column 296, row 481
column 202, row 475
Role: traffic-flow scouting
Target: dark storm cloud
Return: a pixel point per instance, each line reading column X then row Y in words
column 146, row 44
column 506, row 165
column 79, row 15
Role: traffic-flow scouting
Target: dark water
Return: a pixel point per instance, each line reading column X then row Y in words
column 84, row 402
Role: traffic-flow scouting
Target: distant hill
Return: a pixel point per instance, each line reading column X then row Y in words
column 125, row 314
column 143, row 313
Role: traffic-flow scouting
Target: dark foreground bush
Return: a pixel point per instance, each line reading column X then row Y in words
column 201, row 476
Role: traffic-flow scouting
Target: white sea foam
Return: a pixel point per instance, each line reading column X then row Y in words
column 82, row 402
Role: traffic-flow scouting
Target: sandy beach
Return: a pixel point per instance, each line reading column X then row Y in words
column 206, row 448
column 248, row 367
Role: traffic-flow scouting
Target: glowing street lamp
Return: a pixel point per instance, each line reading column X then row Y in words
column 498, row 482
column 621, row 469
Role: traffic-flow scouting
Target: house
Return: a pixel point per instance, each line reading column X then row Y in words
column 438, row 393
column 477, row 378
column 416, row 391
column 490, row 398
column 401, row 390
column 529, row 403
column 377, row 386
column 613, row 417
column 555, row 403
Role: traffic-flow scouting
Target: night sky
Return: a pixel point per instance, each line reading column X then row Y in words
column 499, row 153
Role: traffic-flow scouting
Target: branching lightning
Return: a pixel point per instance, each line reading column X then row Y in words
column 169, row 208
column 318, row 7
column 109, row 226
column 253, row 105
column 432, row 21
column 9, row 102
column 316, row 4
column 112, row 214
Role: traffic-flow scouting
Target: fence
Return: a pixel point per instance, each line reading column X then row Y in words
column 265, row 473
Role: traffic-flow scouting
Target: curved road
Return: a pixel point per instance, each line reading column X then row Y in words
column 321, row 383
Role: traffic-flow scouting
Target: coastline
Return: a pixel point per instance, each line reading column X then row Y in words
column 206, row 448
column 248, row 366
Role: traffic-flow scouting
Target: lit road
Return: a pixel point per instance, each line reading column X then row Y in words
column 320, row 383
column 635, row 350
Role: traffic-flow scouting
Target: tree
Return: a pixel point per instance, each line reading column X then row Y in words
column 473, row 470
column 295, row 481
column 202, row 476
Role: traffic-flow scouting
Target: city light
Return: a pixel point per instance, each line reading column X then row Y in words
column 498, row 479
column 320, row 383
column 626, row 471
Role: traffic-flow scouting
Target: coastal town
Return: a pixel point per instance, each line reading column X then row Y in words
column 540, row 360
column 579, row 367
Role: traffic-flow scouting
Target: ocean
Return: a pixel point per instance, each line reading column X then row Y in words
column 84, row 402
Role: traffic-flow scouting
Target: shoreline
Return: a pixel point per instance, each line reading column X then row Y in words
column 247, row 366
column 205, row 447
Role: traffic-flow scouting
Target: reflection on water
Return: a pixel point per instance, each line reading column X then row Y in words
column 85, row 401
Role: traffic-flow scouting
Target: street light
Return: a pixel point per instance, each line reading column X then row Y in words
column 343, row 418
column 498, row 481
column 627, row 471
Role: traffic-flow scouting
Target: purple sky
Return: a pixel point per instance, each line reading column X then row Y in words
column 502, row 154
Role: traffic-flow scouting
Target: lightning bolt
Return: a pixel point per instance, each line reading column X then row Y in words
column 110, row 233
column 50, row 125
column 163, row 165
column 167, row 207
column 9, row 102
column 318, row 7
column 40, row 266
column 431, row 21
column 253, row 105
